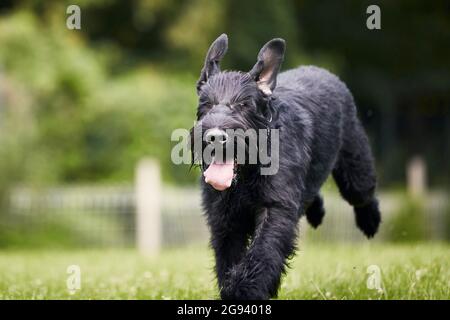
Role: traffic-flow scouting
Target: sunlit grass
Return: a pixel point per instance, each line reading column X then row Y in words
column 318, row 272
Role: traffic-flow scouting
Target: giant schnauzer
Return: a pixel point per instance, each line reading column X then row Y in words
column 253, row 217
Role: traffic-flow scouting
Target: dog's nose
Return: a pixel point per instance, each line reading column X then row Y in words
column 216, row 136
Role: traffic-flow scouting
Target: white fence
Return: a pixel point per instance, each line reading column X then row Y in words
column 150, row 216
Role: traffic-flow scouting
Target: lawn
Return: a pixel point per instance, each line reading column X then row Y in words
column 336, row 271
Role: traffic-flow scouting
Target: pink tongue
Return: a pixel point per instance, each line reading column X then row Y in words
column 220, row 175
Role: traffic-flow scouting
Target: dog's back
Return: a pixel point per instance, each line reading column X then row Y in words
column 322, row 101
column 321, row 92
column 334, row 137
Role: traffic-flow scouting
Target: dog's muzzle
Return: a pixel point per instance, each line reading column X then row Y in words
column 220, row 172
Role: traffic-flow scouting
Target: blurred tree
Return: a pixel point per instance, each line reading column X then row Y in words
column 89, row 125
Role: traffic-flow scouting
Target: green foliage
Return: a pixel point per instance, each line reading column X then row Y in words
column 408, row 224
column 88, row 96
column 50, row 76
column 447, row 221
column 143, row 110
column 88, row 125
column 62, row 231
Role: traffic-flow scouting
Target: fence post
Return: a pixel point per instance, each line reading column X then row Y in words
column 417, row 176
column 148, row 207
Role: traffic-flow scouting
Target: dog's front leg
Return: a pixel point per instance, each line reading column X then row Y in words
column 258, row 274
column 229, row 244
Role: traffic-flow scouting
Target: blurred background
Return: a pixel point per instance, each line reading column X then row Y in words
column 80, row 109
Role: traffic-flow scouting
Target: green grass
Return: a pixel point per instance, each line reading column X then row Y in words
column 317, row 272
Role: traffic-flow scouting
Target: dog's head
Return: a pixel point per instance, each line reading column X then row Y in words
column 233, row 107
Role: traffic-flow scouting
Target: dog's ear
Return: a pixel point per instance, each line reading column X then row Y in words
column 215, row 53
column 268, row 65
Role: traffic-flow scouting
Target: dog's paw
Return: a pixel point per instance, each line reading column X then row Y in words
column 316, row 212
column 238, row 287
column 368, row 218
column 242, row 292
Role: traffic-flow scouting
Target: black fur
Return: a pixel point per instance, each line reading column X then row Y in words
column 253, row 223
column 315, row 212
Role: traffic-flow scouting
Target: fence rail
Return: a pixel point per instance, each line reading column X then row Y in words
column 171, row 216
column 107, row 215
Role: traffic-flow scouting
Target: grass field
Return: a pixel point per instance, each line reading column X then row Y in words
column 317, row 272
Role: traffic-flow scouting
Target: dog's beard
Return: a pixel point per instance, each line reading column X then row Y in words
column 222, row 170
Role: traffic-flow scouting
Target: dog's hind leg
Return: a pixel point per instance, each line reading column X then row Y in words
column 355, row 176
column 315, row 211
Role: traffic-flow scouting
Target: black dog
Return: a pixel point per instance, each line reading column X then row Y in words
column 253, row 217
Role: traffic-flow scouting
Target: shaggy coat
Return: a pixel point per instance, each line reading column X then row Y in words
column 254, row 222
